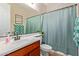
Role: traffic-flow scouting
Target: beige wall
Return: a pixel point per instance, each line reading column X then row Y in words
column 20, row 10
column 78, row 10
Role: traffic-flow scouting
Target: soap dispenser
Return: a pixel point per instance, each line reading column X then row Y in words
column 8, row 38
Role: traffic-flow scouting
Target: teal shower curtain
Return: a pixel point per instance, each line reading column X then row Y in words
column 58, row 28
column 33, row 24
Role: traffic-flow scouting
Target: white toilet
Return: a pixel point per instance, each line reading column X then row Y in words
column 44, row 47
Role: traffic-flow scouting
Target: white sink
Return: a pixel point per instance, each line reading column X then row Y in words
column 14, row 45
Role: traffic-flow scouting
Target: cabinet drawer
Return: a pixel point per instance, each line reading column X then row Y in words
column 35, row 52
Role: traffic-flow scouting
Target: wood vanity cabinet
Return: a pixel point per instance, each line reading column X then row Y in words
column 30, row 50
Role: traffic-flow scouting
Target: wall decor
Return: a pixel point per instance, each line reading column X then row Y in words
column 18, row 19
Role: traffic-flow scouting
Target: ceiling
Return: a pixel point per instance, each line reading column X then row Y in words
column 44, row 7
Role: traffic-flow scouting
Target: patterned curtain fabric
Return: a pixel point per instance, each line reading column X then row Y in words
column 19, row 29
column 76, row 32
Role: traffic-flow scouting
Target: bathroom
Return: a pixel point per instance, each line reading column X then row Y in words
column 39, row 29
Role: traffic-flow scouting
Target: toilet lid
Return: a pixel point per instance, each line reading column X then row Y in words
column 46, row 47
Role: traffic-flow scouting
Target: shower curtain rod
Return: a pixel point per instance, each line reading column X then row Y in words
column 52, row 11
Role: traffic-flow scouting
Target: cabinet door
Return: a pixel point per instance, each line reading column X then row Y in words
column 35, row 52
column 34, row 48
column 20, row 52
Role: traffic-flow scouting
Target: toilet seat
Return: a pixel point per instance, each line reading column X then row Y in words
column 46, row 47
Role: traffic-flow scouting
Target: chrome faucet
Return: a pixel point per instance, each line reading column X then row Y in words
column 17, row 37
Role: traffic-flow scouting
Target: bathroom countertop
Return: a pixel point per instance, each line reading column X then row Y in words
column 13, row 46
